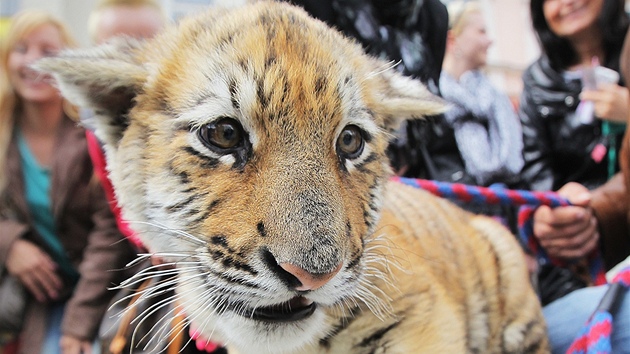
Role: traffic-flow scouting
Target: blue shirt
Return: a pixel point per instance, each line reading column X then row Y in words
column 37, row 188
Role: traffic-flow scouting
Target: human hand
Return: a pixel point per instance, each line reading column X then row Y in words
column 73, row 345
column 569, row 231
column 611, row 102
column 35, row 269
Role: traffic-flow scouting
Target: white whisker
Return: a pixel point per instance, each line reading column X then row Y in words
column 186, row 236
column 386, row 66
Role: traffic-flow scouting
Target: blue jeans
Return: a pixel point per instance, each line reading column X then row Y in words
column 566, row 317
column 53, row 332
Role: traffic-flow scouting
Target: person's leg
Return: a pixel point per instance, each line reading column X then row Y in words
column 567, row 316
column 53, row 330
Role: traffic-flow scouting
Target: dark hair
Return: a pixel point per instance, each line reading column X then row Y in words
column 613, row 21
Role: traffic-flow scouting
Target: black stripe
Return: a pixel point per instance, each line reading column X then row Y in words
column 320, row 85
column 377, row 335
column 233, row 92
column 242, row 62
column 239, row 281
column 362, row 167
column 271, row 59
column 200, row 218
column 367, row 219
column 184, row 177
column 355, row 260
column 228, row 279
column 348, row 229
column 208, row 162
column 261, row 229
column 179, row 206
column 219, row 240
column 192, row 212
column 260, row 92
column 229, row 262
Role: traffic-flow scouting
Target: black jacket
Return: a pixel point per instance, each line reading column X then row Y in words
column 558, row 148
column 411, row 33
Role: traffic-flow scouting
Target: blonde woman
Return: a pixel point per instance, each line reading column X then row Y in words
column 487, row 129
column 481, row 136
column 57, row 234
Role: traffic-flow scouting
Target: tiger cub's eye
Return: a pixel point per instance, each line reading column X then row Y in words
column 223, row 134
column 350, row 142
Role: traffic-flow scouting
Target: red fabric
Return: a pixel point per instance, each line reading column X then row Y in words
column 11, row 347
column 100, row 169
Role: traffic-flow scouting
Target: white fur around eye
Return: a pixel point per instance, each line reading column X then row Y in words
column 352, row 163
column 206, row 112
column 246, row 97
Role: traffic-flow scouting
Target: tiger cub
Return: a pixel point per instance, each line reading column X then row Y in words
column 247, row 146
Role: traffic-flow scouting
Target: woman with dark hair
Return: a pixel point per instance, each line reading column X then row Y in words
column 562, row 141
column 573, row 123
column 597, row 219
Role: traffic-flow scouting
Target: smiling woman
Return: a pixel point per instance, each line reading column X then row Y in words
column 578, row 18
column 57, row 237
column 43, row 41
column 561, row 148
column 558, row 148
column 28, row 40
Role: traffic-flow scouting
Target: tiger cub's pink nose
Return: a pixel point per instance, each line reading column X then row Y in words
column 309, row 281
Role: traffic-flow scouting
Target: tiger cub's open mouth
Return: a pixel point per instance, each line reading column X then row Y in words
column 296, row 309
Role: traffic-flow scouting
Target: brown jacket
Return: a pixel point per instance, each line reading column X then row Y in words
column 86, row 228
column 611, row 201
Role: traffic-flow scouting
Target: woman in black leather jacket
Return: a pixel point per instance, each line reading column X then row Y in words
column 559, row 147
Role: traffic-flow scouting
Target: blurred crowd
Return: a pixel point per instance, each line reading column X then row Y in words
column 62, row 238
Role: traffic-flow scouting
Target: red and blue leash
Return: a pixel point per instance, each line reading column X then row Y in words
column 595, row 335
column 495, row 194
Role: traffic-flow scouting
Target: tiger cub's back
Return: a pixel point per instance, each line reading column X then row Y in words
column 461, row 283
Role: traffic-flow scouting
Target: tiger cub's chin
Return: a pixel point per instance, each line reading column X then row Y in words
column 285, row 327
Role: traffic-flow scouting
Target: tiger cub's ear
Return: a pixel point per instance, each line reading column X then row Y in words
column 402, row 98
column 104, row 79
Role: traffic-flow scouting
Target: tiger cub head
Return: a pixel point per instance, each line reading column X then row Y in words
column 248, row 146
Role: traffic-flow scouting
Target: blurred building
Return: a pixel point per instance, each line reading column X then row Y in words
column 514, row 43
